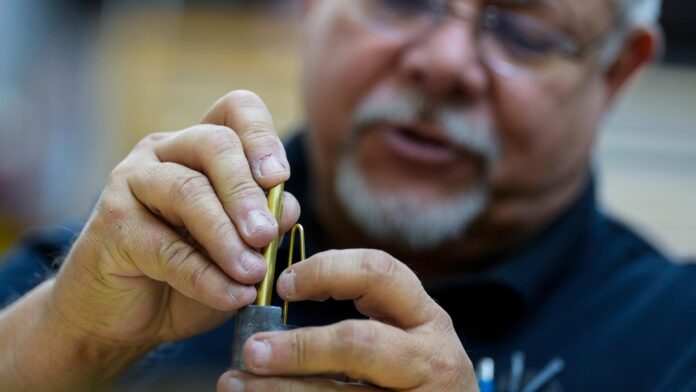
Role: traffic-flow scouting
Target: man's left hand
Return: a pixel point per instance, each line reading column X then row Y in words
column 408, row 344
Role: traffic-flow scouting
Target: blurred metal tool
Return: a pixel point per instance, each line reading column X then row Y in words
column 486, row 375
column 545, row 375
column 262, row 316
column 516, row 371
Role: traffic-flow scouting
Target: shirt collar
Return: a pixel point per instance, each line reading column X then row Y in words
column 531, row 270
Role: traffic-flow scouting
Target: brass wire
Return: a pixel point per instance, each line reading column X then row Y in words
column 265, row 288
column 297, row 228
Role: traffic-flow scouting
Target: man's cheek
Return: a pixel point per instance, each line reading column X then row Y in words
column 529, row 133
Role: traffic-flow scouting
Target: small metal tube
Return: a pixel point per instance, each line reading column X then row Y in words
column 265, row 288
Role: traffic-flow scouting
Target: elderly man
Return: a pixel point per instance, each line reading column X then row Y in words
column 455, row 137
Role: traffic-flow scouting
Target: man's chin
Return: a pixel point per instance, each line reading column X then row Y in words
column 408, row 215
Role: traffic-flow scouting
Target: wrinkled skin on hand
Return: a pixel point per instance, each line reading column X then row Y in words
column 408, row 344
column 171, row 249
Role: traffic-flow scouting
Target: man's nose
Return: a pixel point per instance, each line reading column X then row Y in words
column 446, row 65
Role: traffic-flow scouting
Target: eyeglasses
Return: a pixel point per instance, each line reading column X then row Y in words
column 510, row 42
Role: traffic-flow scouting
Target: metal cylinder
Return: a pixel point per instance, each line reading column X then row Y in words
column 249, row 321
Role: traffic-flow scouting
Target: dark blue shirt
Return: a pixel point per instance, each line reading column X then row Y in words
column 587, row 291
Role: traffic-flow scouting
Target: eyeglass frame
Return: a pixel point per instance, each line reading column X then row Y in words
column 568, row 46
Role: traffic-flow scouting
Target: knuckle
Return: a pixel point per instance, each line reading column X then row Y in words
column 223, row 228
column 151, row 139
column 299, row 348
column 442, row 321
column 214, row 139
column 451, row 360
column 196, row 276
column 444, row 363
column 190, row 188
column 221, row 140
column 163, row 169
column 174, row 253
column 259, row 132
column 357, row 339
column 111, row 211
column 119, row 173
column 378, row 265
column 234, row 171
column 241, row 190
column 110, row 225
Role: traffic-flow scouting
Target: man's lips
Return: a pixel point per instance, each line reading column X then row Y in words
column 420, row 144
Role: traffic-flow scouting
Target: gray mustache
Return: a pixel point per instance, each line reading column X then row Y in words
column 462, row 129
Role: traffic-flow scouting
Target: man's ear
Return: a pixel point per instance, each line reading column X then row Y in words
column 640, row 48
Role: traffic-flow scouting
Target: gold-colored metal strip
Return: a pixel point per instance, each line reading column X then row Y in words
column 265, row 288
column 297, row 228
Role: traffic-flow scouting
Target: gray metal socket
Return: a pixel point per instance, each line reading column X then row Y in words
column 249, row 321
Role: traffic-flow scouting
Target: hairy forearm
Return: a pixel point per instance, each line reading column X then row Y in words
column 40, row 352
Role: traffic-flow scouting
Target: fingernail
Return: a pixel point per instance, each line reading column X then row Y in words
column 241, row 294
column 251, row 261
column 271, row 166
column 260, row 353
column 235, row 384
column 258, row 221
column 286, row 283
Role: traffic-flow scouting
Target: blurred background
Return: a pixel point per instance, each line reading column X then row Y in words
column 81, row 81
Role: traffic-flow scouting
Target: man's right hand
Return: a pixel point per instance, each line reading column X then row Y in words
column 171, row 249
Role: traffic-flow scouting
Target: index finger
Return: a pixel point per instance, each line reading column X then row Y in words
column 380, row 286
column 248, row 116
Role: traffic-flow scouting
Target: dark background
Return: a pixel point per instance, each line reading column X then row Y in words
column 679, row 23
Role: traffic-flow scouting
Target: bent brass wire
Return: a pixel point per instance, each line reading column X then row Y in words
column 270, row 253
column 291, row 251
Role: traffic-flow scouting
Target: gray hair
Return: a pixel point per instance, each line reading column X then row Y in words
column 634, row 14
column 639, row 13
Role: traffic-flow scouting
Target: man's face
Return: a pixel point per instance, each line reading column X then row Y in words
column 439, row 136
